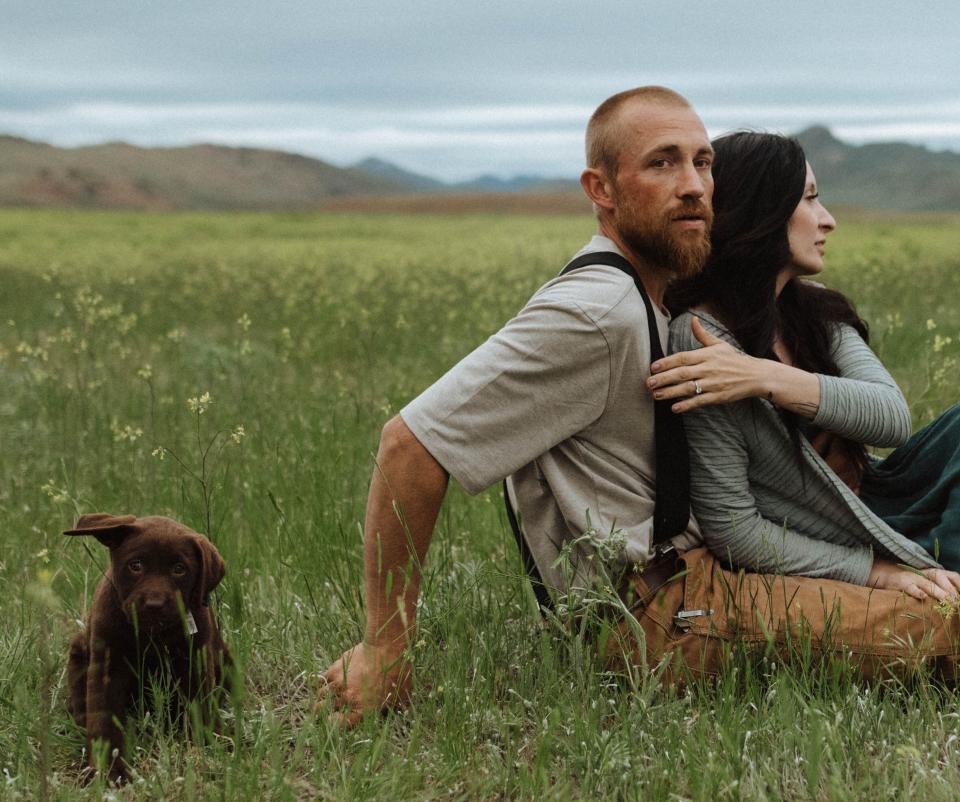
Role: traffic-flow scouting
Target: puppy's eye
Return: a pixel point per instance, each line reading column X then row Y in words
column 135, row 566
column 179, row 569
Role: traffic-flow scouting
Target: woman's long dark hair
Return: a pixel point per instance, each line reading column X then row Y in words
column 759, row 179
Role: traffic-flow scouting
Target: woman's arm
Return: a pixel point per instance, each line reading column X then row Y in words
column 863, row 403
column 726, row 374
column 733, row 527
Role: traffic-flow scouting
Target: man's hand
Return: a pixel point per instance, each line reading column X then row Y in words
column 720, row 374
column 365, row 679
column 930, row 583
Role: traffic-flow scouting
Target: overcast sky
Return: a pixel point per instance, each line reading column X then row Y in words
column 458, row 89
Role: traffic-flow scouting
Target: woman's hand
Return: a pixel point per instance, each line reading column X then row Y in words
column 930, row 583
column 716, row 374
column 719, row 374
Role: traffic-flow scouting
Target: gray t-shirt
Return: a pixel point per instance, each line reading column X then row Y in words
column 556, row 400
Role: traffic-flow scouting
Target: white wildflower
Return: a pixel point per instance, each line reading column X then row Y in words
column 200, row 404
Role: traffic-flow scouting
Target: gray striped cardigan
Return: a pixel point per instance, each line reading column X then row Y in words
column 757, row 508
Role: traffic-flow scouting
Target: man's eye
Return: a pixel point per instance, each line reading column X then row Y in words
column 179, row 569
column 703, row 164
column 135, row 566
column 660, row 163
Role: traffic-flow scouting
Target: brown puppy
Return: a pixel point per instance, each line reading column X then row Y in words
column 149, row 611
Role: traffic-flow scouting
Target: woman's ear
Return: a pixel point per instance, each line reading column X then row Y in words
column 110, row 530
column 598, row 188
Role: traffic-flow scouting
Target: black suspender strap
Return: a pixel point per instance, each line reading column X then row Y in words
column 672, row 507
column 671, row 511
column 536, row 580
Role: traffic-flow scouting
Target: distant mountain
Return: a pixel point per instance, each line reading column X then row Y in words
column 887, row 175
column 519, row 183
column 416, row 182
column 890, row 175
column 410, row 182
column 118, row 175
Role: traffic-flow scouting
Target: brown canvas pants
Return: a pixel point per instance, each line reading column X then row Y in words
column 694, row 625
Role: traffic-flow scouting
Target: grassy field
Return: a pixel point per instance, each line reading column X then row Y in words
column 308, row 332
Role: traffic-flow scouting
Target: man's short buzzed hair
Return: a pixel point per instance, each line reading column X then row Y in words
column 605, row 134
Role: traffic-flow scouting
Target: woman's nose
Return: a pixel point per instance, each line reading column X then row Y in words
column 826, row 221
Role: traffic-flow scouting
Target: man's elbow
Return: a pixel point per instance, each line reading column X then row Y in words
column 401, row 453
column 397, row 441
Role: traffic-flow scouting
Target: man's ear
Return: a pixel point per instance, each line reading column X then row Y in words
column 212, row 570
column 111, row 530
column 598, row 188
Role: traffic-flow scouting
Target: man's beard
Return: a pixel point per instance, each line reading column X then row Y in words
column 656, row 239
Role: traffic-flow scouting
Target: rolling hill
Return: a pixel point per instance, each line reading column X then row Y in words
column 118, row 175
column 883, row 175
column 893, row 176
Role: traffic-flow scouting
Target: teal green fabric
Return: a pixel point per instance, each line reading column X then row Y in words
column 916, row 489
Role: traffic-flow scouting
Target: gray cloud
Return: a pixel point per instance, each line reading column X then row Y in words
column 459, row 89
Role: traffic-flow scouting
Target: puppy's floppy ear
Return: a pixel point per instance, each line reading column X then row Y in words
column 212, row 570
column 108, row 529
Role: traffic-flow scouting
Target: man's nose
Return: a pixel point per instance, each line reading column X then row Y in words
column 690, row 183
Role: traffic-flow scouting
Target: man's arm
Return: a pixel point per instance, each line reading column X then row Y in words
column 406, row 492
column 552, row 353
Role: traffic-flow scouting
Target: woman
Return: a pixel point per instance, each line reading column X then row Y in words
column 785, row 395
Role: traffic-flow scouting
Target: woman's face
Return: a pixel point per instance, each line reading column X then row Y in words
column 807, row 232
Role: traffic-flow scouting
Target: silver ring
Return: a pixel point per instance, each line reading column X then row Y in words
column 696, row 387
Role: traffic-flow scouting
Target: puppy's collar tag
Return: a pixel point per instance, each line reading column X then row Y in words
column 191, row 624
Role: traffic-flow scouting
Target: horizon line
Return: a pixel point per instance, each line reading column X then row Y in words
column 836, row 132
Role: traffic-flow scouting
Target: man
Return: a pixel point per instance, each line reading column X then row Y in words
column 557, row 402
column 557, row 398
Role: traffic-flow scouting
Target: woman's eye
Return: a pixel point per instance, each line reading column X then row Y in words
column 179, row 569
column 135, row 566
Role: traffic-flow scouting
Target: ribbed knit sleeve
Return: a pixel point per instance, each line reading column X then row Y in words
column 731, row 524
column 863, row 403
column 723, row 502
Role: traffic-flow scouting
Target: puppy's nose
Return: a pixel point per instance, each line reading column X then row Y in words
column 154, row 601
